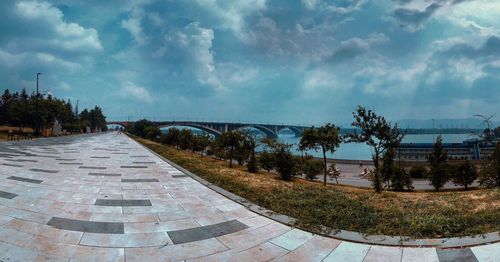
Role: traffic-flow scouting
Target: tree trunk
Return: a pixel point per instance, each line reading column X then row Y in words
column 324, row 165
column 231, row 157
column 377, row 182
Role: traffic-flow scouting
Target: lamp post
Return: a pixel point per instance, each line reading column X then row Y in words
column 37, row 130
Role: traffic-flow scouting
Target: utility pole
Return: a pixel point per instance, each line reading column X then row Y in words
column 37, row 129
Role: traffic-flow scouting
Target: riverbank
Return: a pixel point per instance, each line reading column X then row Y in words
column 417, row 215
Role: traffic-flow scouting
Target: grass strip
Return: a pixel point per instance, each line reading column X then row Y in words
column 412, row 214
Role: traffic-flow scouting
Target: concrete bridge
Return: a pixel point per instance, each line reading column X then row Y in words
column 217, row 128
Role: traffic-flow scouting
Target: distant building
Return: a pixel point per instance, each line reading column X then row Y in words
column 467, row 150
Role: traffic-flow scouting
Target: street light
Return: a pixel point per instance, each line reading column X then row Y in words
column 37, row 130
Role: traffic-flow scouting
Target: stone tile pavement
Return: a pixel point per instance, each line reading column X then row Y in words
column 104, row 197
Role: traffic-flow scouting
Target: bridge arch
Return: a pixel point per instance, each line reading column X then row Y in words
column 207, row 129
column 268, row 132
column 295, row 130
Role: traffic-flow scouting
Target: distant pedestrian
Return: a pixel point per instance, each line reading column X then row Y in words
column 360, row 163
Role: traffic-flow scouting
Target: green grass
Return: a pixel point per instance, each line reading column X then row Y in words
column 416, row 215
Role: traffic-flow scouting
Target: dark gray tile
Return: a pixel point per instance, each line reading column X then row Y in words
column 21, row 160
column 44, row 170
column 92, row 167
column 138, row 156
column 133, row 166
column 456, row 255
column 124, row 202
column 140, row 180
column 7, row 195
column 100, row 157
column 70, row 163
column 66, row 159
column 86, row 226
column 23, row 179
column 14, row 165
column 205, row 232
column 104, row 174
column 118, row 153
column 145, row 162
column 179, row 176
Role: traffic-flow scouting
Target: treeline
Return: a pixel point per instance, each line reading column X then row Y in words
column 20, row 109
column 374, row 130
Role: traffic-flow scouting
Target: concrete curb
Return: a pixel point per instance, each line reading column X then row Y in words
column 351, row 236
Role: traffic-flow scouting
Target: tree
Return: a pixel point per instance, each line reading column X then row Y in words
column 251, row 143
column 438, row 173
column 400, row 179
column 152, row 132
column 334, row 172
column 325, row 138
column 377, row 133
column 311, row 167
column 286, row 164
column 267, row 160
column 172, row 137
column 138, row 128
column 201, row 142
column 186, row 139
column 229, row 141
column 388, row 168
column 465, row 175
column 490, row 174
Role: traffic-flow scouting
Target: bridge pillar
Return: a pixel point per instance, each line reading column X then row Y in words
column 225, row 128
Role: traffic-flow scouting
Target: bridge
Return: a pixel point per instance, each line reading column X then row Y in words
column 217, row 128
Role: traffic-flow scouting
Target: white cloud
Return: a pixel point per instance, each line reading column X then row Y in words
column 20, row 60
column 64, row 86
column 138, row 92
column 68, row 36
column 233, row 13
column 133, row 25
column 196, row 44
column 310, row 4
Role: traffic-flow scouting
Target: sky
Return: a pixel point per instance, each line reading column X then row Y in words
column 274, row 61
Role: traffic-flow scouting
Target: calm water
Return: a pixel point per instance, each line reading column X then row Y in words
column 362, row 151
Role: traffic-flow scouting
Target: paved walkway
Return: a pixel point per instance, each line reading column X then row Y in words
column 106, row 198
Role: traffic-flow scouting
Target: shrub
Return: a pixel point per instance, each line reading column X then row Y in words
column 286, row 164
column 253, row 164
column 418, row 172
column 438, row 174
column 490, row 174
column 400, row 180
column 267, row 160
column 311, row 167
column 464, row 175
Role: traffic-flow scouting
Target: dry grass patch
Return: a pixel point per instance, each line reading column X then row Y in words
column 414, row 214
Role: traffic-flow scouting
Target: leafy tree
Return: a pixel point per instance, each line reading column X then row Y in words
column 152, row 132
column 400, row 179
column 325, row 138
column 267, row 160
column 286, row 164
column 334, row 172
column 490, row 174
column 418, row 172
column 311, row 167
column 387, row 168
column 186, row 139
column 201, row 142
column 465, row 175
column 377, row 133
column 172, row 137
column 229, row 141
column 138, row 128
column 438, row 173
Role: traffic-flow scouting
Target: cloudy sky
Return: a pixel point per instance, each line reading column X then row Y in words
column 291, row 61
